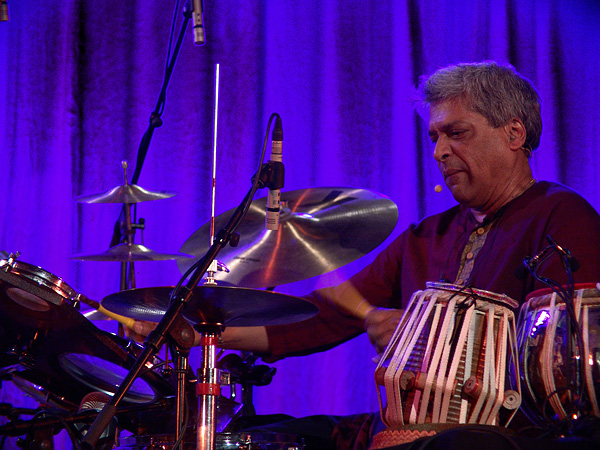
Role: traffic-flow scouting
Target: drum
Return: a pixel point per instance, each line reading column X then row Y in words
column 31, row 302
column 447, row 360
column 47, row 342
column 223, row 441
column 548, row 395
column 257, row 441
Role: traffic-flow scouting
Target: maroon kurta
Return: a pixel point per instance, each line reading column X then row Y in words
column 432, row 250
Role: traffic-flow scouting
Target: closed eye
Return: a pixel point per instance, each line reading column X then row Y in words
column 455, row 134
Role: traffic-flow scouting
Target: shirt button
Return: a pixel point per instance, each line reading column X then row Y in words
column 470, row 255
column 480, row 231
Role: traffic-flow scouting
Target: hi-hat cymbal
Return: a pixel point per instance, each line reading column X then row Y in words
column 134, row 252
column 210, row 304
column 321, row 229
column 126, row 193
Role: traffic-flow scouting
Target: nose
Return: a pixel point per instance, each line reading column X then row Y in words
column 442, row 149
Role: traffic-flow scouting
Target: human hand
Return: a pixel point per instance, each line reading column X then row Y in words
column 139, row 330
column 380, row 325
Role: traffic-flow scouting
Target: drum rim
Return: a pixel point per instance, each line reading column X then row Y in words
column 486, row 295
column 42, row 277
column 546, row 291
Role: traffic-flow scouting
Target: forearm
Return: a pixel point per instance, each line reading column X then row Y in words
column 252, row 339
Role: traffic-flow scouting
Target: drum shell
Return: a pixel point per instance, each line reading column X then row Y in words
column 54, row 351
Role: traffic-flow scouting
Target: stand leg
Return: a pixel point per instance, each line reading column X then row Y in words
column 182, row 367
column 207, row 390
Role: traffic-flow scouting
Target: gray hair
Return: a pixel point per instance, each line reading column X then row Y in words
column 498, row 93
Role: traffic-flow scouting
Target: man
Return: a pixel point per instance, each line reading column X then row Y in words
column 484, row 122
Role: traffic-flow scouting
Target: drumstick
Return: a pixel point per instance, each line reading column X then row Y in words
column 127, row 321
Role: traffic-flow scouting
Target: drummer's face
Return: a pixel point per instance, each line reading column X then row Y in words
column 473, row 156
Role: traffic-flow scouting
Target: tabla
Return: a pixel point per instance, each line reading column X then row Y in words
column 544, row 355
column 447, row 360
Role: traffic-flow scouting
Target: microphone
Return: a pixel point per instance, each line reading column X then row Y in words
column 569, row 259
column 530, row 263
column 199, row 37
column 3, row 11
column 276, row 181
column 96, row 401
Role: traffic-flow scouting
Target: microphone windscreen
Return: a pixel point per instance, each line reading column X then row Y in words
column 521, row 271
column 94, row 400
column 574, row 264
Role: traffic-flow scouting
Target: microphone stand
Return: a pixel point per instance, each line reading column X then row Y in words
column 127, row 271
column 172, row 318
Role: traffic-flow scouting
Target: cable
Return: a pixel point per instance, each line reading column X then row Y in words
column 573, row 327
column 71, row 431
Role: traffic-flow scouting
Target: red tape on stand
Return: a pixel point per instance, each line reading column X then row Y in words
column 208, row 340
column 208, row 389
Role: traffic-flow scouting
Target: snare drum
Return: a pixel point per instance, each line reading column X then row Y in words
column 54, row 347
column 447, row 360
column 544, row 354
column 32, row 301
column 33, row 290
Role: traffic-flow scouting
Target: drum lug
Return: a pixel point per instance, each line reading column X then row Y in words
column 10, row 262
column 76, row 301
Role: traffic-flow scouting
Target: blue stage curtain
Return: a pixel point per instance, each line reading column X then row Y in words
column 79, row 79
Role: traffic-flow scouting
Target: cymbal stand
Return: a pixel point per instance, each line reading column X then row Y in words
column 208, row 387
column 127, row 268
column 172, row 317
column 181, row 355
column 180, row 297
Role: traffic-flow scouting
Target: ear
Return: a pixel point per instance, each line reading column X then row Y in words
column 515, row 130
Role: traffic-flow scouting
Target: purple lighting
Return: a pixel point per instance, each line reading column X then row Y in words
column 540, row 321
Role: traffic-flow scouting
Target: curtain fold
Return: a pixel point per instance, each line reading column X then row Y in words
column 79, row 80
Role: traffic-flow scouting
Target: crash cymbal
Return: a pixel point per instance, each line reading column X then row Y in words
column 320, row 230
column 126, row 252
column 127, row 193
column 230, row 306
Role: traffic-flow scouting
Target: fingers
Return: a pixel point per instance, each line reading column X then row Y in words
column 380, row 325
column 137, row 330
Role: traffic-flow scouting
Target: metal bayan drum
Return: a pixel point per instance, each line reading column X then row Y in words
column 544, row 355
column 447, row 361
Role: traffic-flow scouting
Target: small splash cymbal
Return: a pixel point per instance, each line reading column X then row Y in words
column 134, row 252
column 126, row 193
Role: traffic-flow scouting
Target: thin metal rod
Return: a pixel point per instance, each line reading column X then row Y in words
column 212, row 270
